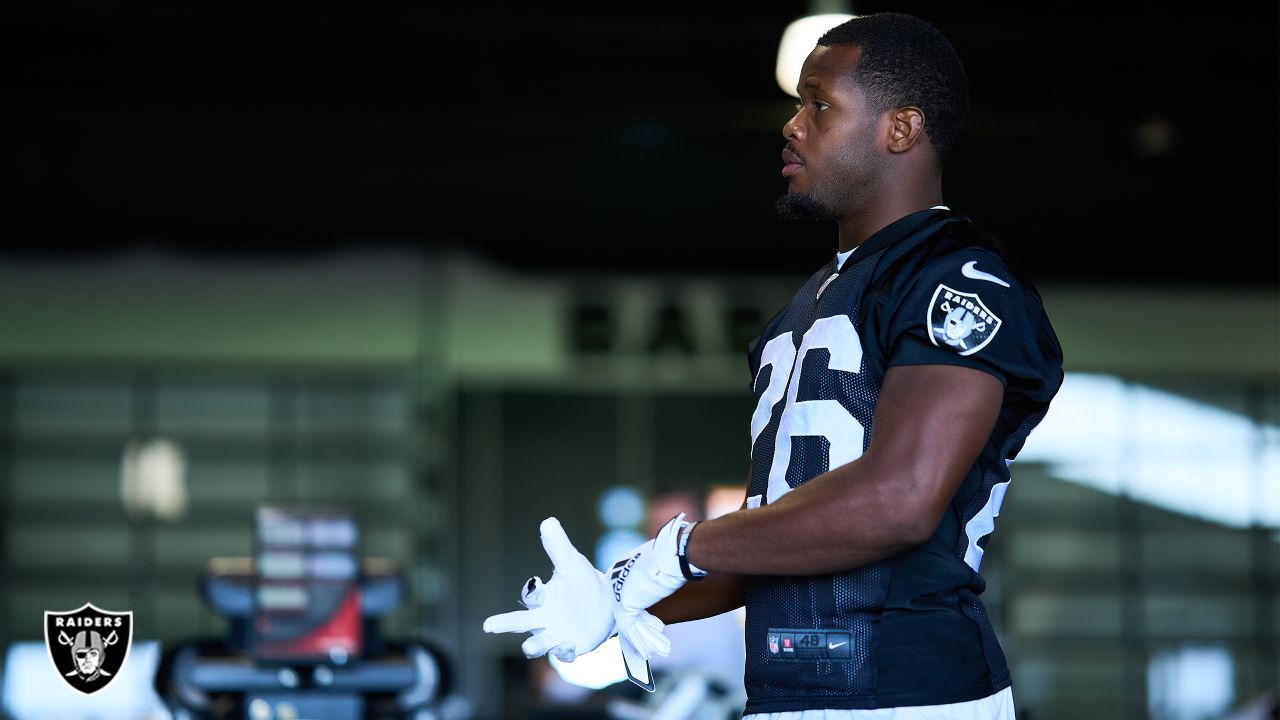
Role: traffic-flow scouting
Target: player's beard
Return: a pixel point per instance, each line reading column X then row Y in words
column 801, row 207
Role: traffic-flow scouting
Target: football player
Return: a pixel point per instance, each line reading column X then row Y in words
column 892, row 394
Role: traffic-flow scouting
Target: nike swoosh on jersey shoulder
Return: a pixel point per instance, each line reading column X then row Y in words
column 971, row 271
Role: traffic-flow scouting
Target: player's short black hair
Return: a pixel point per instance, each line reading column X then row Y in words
column 907, row 61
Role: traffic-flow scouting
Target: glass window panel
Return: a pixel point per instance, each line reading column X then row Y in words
column 1266, row 475
column 73, row 405
column 355, row 480
column 175, row 611
column 1190, row 682
column 1044, row 680
column 1218, row 551
column 213, row 405
column 372, row 407
column 53, row 548
column 77, row 482
column 1064, row 549
column 391, row 543
column 190, row 547
column 1046, row 498
column 70, row 433
column 1063, row 612
column 226, row 481
column 1197, row 615
column 1191, row 456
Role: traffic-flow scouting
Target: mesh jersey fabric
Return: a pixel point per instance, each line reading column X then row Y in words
column 909, row 630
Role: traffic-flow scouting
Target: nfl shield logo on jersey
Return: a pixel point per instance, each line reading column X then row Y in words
column 88, row 646
column 960, row 321
column 773, row 644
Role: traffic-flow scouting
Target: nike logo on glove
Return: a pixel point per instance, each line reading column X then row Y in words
column 968, row 270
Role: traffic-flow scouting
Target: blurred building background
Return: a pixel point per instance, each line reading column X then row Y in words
column 458, row 271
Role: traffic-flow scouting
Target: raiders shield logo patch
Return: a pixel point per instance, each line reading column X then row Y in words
column 960, row 321
column 88, row 646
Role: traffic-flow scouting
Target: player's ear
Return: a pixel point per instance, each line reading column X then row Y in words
column 906, row 126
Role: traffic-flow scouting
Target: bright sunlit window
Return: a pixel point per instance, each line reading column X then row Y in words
column 1189, row 683
column 1161, row 448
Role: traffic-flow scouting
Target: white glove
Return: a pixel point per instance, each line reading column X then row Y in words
column 636, row 665
column 569, row 615
column 641, row 578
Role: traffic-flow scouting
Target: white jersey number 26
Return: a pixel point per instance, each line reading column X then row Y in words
column 823, row 418
column 829, row 419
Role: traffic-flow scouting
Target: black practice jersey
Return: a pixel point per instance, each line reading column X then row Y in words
column 931, row 288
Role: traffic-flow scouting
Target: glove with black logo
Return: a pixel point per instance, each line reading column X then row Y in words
column 641, row 578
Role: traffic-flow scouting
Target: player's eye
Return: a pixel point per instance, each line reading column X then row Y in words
column 819, row 106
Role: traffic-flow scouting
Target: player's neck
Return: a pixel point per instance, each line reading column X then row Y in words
column 855, row 229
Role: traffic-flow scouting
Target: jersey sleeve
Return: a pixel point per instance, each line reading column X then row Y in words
column 753, row 361
column 967, row 308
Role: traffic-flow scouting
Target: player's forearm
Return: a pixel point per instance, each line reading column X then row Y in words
column 840, row 520
column 714, row 594
column 931, row 424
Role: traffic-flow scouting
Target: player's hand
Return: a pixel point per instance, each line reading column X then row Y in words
column 641, row 578
column 637, row 666
column 569, row 615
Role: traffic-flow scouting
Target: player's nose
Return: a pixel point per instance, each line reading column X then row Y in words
column 793, row 129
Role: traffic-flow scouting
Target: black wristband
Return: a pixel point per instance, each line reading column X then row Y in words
column 682, row 554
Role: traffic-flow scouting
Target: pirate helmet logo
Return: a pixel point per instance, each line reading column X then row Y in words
column 88, row 646
column 960, row 321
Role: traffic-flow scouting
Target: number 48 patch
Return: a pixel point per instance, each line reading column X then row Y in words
column 960, row 321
